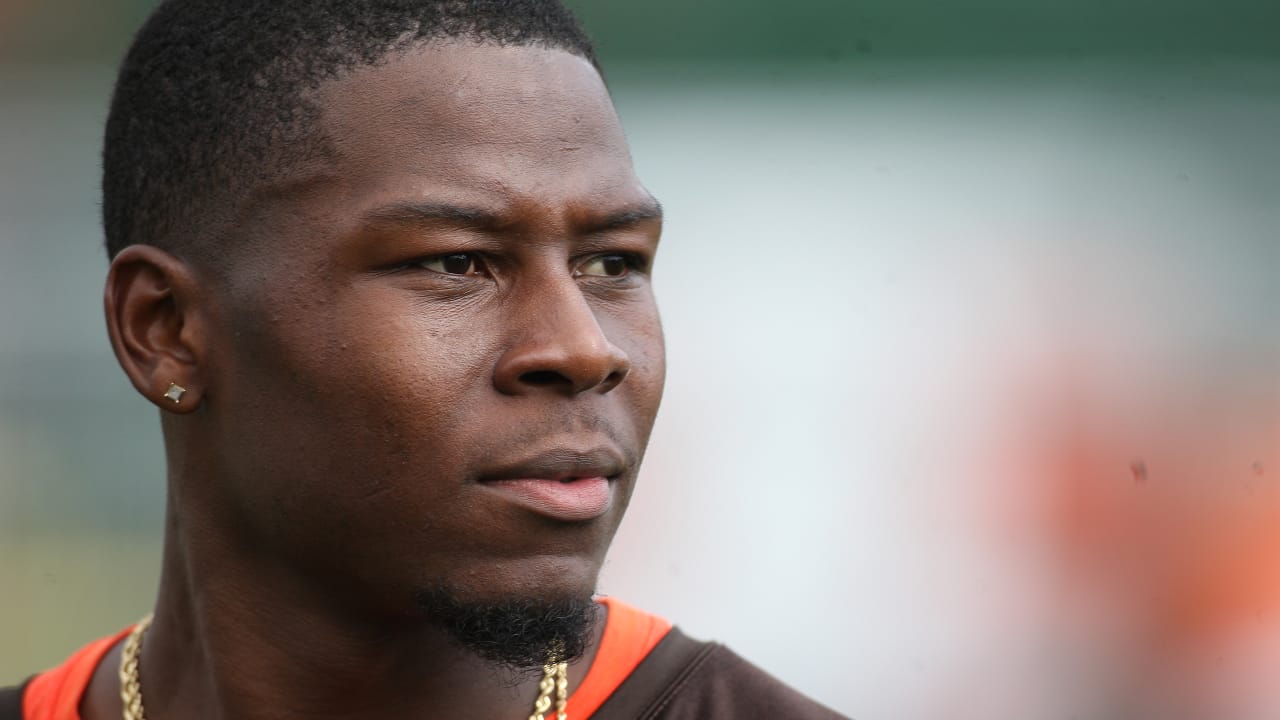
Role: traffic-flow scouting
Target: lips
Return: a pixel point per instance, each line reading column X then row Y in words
column 561, row 484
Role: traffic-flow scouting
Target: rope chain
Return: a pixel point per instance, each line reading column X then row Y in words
column 555, row 678
column 130, row 683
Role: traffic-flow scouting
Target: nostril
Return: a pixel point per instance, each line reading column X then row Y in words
column 542, row 378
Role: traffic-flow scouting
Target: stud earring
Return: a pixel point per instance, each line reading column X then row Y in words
column 175, row 392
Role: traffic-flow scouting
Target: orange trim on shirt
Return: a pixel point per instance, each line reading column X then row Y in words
column 56, row 694
column 629, row 635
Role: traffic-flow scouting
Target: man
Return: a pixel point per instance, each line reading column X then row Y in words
column 385, row 267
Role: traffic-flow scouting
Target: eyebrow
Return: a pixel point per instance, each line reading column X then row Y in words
column 410, row 213
column 649, row 209
column 414, row 213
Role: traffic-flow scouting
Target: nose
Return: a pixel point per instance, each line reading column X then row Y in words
column 560, row 347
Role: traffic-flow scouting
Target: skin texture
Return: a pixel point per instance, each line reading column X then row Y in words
column 348, row 391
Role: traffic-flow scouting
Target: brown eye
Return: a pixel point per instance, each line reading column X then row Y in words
column 606, row 266
column 454, row 264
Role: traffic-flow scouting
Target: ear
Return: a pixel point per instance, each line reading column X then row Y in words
column 155, row 326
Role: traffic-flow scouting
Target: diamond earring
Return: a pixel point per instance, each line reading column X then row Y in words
column 175, row 392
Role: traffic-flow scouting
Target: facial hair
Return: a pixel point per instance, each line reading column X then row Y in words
column 519, row 635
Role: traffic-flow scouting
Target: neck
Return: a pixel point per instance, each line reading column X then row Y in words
column 232, row 639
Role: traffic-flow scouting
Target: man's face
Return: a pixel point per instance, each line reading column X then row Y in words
column 424, row 342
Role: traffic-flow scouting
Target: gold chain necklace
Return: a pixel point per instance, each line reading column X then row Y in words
column 555, row 678
column 130, row 685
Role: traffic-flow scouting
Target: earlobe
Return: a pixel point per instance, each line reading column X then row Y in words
column 154, row 323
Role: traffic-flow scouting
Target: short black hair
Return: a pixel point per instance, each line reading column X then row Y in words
column 213, row 99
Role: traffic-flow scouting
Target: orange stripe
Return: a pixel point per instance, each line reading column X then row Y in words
column 56, row 694
column 629, row 635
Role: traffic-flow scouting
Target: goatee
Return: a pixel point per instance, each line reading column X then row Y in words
column 520, row 635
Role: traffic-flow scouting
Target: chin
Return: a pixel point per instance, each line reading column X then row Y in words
column 518, row 629
column 545, row 578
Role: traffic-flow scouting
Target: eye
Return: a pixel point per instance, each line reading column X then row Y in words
column 452, row 264
column 607, row 266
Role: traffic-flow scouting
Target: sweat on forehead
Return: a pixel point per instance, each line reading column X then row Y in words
column 216, row 97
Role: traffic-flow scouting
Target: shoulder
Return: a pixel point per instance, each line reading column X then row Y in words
column 726, row 685
column 11, row 702
column 55, row 694
column 686, row 679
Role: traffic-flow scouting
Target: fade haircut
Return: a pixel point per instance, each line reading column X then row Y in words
column 216, row 99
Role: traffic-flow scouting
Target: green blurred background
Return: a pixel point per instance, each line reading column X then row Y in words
column 729, row 31
column 1075, row 161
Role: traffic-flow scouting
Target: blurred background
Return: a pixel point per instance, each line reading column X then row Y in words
column 973, row 318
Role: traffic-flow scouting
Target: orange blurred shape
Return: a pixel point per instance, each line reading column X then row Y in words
column 1169, row 515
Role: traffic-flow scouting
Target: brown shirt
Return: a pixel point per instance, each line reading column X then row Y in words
column 684, row 679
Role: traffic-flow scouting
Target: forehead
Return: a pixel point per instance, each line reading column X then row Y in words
column 512, row 124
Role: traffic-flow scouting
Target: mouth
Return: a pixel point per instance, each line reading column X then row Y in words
column 565, row 485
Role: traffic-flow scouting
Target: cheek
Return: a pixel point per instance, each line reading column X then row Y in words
column 345, row 400
column 640, row 336
column 408, row 374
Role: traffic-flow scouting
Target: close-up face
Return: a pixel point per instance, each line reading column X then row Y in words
column 438, row 362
